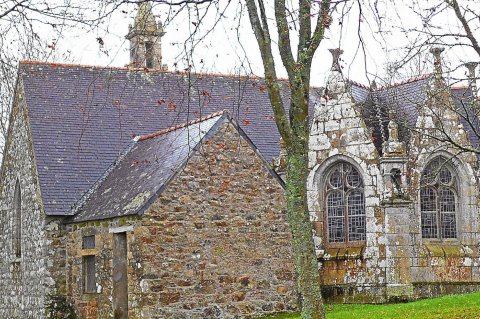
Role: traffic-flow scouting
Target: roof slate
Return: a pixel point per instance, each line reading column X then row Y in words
column 82, row 117
column 145, row 170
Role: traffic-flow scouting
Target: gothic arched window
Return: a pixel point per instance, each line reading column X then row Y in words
column 17, row 211
column 438, row 200
column 345, row 204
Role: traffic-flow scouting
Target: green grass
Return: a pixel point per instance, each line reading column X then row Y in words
column 465, row 306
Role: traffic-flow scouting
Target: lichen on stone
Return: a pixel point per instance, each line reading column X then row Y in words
column 137, row 201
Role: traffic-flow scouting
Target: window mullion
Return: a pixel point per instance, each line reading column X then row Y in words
column 345, row 216
column 438, row 213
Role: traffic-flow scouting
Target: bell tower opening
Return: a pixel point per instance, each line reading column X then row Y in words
column 145, row 39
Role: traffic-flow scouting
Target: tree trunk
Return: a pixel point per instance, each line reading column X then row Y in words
column 308, row 279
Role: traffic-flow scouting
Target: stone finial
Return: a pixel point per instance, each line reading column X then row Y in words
column 336, row 56
column 437, row 52
column 471, row 68
column 373, row 85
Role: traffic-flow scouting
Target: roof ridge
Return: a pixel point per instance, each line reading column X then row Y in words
column 146, row 70
column 89, row 66
column 359, row 84
column 179, row 126
column 460, row 87
column 406, row 81
column 388, row 86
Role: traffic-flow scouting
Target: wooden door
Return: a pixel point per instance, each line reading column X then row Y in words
column 120, row 280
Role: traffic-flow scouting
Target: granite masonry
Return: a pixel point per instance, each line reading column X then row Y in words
column 142, row 193
column 214, row 244
column 419, row 234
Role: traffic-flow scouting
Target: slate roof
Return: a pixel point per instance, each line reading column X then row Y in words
column 82, row 117
column 405, row 100
column 463, row 99
column 144, row 171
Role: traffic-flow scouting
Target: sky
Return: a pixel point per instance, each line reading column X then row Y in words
column 231, row 47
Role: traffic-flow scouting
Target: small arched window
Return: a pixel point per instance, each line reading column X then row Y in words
column 345, row 204
column 438, row 200
column 17, row 211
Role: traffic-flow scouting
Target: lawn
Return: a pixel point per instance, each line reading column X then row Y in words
column 465, row 306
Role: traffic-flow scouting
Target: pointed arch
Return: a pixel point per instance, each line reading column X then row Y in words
column 439, row 199
column 344, row 204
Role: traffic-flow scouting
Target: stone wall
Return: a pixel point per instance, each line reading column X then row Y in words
column 339, row 134
column 215, row 244
column 395, row 262
column 452, row 265
column 24, row 281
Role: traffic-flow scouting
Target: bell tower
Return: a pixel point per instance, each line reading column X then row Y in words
column 145, row 39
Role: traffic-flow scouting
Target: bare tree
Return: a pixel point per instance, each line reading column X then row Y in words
column 30, row 30
column 294, row 127
column 453, row 25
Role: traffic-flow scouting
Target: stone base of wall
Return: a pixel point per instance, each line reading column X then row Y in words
column 354, row 294
column 438, row 289
column 396, row 293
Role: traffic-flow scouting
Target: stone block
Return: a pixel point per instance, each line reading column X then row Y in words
column 319, row 142
column 399, row 292
column 332, row 125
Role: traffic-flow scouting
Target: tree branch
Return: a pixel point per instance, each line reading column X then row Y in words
column 466, row 26
column 284, row 37
column 264, row 44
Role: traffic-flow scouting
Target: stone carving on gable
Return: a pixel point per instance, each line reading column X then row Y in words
column 393, row 147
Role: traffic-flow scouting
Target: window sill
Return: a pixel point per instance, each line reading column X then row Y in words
column 88, row 296
column 16, row 260
column 341, row 253
column 442, row 248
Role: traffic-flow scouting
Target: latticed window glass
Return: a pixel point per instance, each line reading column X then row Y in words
column 88, row 242
column 17, row 210
column 345, row 204
column 438, row 200
column 89, row 281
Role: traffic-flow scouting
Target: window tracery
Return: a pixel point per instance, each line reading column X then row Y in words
column 438, row 200
column 345, row 204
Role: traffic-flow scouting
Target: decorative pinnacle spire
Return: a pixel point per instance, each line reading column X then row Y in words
column 336, row 56
column 472, row 78
column 471, row 69
column 437, row 52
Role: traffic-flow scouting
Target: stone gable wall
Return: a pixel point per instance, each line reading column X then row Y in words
column 339, row 134
column 24, row 281
column 445, row 266
column 215, row 244
column 395, row 263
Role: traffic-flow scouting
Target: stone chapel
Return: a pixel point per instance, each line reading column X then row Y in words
column 137, row 192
